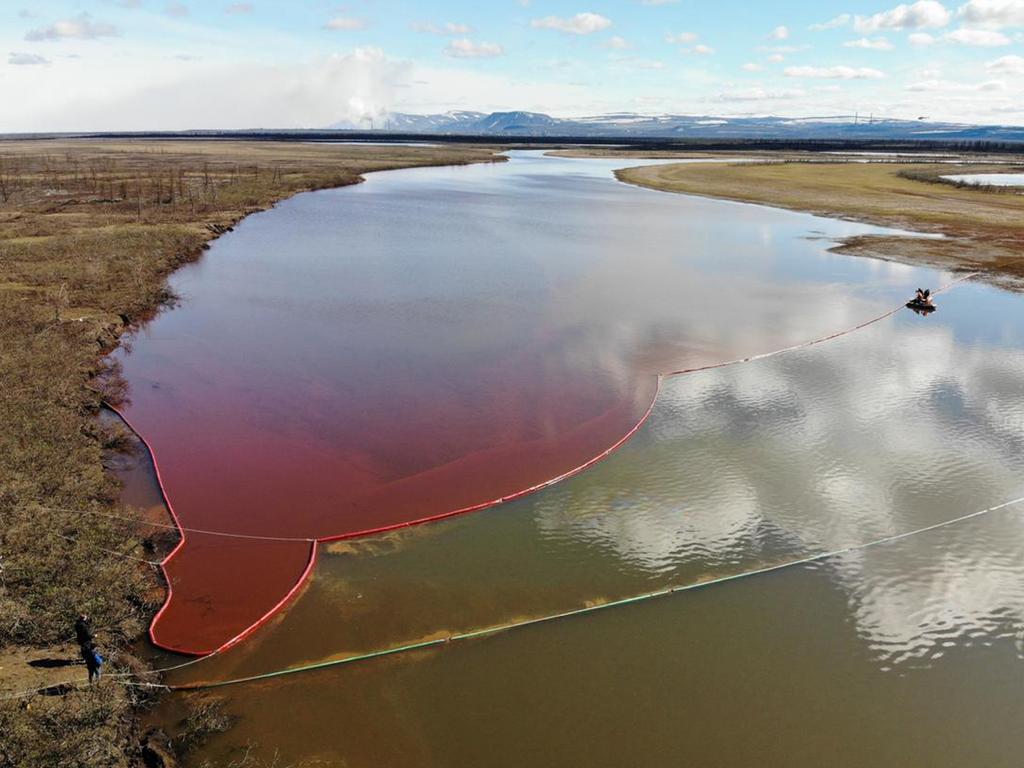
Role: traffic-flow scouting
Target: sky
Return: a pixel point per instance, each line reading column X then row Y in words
column 69, row 65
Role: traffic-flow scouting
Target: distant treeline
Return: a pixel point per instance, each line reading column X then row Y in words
column 987, row 146
column 632, row 142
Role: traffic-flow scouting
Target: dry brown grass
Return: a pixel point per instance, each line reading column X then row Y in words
column 985, row 230
column 89, row 232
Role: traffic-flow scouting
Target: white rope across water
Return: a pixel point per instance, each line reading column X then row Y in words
column 123, row 678
column 173, row 527
column 819, row 340
column 602, row 606
column 120, row 677
column 129, row 678
column 310, row 540
column 492, row 630
column 98, row 548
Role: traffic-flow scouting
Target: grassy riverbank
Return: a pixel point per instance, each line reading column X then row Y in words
column 89, row 232
column 984, row 228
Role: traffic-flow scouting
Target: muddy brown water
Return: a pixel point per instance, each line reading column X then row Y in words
column 903, row 655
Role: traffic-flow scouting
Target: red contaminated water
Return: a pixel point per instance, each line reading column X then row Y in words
column 336, row 486
column 426, row 343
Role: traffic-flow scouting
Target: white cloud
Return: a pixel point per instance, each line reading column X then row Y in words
column 636, row 62
column 920, row 39
column 354, row 86
column 872, row 44
column 683, row 38
column 176, row 9
column 448, row 28
column 26, row 59
column 580, row 24
column 839, row 21
column 1011, row 65
column 781, row 32
column 923, row 14
column 239, row 8
column 946, row 86
column 759, row 94
column 617, row 43
column 835, row 73
column 467, row 49
column 751, row 66
column 81, row 27
column 982, row 38
column 119, row 69
column 775, row 58
column 345, row 23
column 928, row 85
column 994, row 14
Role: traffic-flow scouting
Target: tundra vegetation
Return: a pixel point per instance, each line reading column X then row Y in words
column 983, row 226
column 89, row 232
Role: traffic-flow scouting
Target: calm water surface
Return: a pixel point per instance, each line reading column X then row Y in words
column 993, row 179
column 561, row 293
column 437, row 339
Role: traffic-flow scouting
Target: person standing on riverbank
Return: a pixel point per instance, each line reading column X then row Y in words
column 93, row 661
column 87, row 645
column 83, row 630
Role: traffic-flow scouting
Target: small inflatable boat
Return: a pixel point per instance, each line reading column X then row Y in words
column 922, row 307
column 922, row 301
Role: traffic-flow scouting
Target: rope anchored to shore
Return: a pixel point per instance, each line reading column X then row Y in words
column 819, row 340
column 486, row 631
column 173, row 527
column 492, row 630
column 132, row 679
column 177, row 526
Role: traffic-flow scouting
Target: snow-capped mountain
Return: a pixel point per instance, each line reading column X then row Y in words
column 626, row 124
column 402, row 122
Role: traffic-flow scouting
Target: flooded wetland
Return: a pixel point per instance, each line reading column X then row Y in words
column 435, row 339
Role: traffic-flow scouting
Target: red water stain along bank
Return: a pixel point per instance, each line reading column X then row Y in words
column 212, row 605
column 366, row 359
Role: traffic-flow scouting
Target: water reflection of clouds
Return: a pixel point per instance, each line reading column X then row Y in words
column 656, row 531
column 898, row 427
column 895, row 428
column 913, row 602
column 661, row 313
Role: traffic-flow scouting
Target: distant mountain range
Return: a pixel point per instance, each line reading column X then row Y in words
column 623, row 125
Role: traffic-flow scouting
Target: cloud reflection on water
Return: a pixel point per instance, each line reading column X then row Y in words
column 895, row 428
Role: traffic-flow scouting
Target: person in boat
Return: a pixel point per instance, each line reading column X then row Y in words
column 923, row 298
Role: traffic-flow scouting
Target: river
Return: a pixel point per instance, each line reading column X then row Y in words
column 434, row 338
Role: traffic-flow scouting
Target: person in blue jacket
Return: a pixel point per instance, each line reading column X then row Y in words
column 93, row 661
